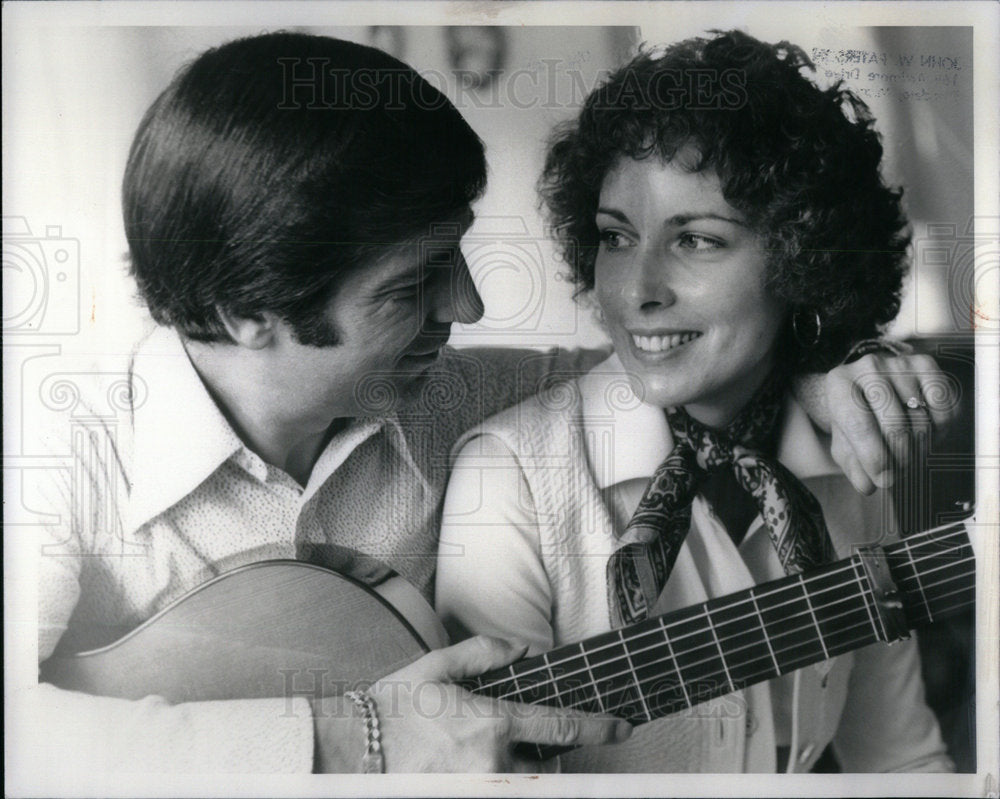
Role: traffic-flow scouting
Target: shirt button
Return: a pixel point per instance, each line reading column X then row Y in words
column 751, row 723
column 806, row 752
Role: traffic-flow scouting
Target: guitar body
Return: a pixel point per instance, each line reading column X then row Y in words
column 268, row 629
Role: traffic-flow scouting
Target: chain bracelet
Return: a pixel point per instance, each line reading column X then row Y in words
column 373, row 761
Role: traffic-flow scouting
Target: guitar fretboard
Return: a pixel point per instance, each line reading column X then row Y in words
column 686, row 657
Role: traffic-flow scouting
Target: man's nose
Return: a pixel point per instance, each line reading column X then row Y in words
column 457, row 299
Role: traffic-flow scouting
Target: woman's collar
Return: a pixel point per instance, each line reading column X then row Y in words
column 628, row 439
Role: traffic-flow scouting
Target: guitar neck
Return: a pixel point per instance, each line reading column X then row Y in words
column 675, row 661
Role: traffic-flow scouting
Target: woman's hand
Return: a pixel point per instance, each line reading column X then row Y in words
column 429, row 724
column 877, row 406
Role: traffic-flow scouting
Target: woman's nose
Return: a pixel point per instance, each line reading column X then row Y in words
column 649, row 282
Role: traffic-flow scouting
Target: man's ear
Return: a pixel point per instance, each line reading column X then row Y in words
column 254, row 332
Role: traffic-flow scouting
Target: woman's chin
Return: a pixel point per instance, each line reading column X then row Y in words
column 653, row 389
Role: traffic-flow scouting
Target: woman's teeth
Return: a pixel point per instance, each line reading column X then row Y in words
column 662, row 343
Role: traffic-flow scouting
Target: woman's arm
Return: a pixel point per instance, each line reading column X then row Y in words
column 490, row 576
column 886, row 724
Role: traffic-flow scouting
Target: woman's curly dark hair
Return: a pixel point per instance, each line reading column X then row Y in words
column 800, row 162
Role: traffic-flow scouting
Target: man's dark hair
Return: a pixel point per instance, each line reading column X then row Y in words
column 802, row 163
column 272, row 166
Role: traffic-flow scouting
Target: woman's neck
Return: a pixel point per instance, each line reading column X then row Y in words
column 718, row 411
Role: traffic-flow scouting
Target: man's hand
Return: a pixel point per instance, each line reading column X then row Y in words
column 877, row 405
column 430, row 725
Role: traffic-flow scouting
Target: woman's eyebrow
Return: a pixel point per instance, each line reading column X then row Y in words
column 679, row 220
column 614, row 214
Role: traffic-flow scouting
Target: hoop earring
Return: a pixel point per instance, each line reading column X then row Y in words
column 797, row 326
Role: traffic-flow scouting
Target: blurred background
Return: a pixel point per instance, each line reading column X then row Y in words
column 79, row 93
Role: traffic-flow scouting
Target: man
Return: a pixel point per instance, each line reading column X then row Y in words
column 298, row 245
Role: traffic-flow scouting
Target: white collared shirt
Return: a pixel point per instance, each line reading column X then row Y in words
column 148, row 492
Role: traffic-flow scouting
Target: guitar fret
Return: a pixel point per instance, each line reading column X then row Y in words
column 638, row 685
column 673, row 659
column 920, row 587
column 609, row 666
column 513, row 679
column 744, row 644
column 593, row 682
column 786, row 616
column 860, row 575
column 722, row 655
column 696, row 655
column 551, row 676
column 812, row 612
column 531, row 683
column 564, row 681
column 767, row 639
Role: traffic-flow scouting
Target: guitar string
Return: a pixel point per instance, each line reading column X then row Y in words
column 760, row 676
column 553, row 680
column 665, row 702
column 716, row 674
column 753, row 677
column 849, row 565
column 656, row 629
column 714, row 659
column 661, row 706
column 663, row 629
column 713, row 677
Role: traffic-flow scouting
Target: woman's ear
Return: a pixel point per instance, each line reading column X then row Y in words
column 254, row 332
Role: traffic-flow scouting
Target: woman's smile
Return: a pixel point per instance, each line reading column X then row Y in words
column 662, row 343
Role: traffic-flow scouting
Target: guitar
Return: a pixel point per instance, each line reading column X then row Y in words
column 285, row 628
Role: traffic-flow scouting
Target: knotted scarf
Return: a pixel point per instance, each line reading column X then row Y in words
column 638, row 570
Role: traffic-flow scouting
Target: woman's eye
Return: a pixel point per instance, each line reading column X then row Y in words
column 613, row 240
column 697, row 242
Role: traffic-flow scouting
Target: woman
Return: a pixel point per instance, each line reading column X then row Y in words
column 729, row 219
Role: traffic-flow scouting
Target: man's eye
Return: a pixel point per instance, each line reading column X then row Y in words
column 403, row 293
column 698, row 242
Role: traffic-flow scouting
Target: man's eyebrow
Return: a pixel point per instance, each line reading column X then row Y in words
column 408, row 277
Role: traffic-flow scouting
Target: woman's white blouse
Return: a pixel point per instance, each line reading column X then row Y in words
column 494, row 578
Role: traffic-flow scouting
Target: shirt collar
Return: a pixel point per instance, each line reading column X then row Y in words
column 180, row 437
column 628, row 439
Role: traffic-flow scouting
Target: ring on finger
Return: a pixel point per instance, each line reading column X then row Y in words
column 915, row 402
